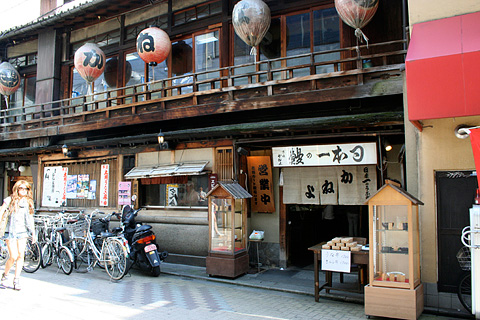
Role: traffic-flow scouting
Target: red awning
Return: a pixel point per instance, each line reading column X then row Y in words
column 443, row 68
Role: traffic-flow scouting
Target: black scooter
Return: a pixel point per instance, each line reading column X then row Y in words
column 141, row 239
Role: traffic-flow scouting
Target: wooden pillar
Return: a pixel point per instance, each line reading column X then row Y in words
column 48, row 67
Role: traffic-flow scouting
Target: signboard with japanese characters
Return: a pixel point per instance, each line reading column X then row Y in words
column 261, row 183
column 53, row 185
column 336, row 260
column 349, row 185
column 104, row 176
column 124, row 193
column 64, row 185
column 325, row 155
column 172, row 195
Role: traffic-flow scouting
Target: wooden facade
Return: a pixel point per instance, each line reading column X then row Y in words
column 296, row 97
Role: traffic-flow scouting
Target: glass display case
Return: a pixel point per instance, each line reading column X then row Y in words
column 227, row 221
column 394, row 289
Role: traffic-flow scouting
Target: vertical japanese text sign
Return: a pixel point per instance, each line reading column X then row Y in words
column 64, row 187
column 104, row 185
column 261, row 183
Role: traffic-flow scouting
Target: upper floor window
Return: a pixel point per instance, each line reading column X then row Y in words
column 200, row 11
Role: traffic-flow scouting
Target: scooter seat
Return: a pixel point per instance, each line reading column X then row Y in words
column 106, row 234
column 144, row 227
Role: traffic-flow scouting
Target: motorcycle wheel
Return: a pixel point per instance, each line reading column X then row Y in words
column 155, row 271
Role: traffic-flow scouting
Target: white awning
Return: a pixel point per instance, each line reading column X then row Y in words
column 168, row 170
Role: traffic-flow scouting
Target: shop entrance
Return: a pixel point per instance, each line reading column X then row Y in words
column 308, row 225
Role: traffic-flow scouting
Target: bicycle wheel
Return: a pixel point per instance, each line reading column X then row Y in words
column 64, row 261
column 465, row 291
column 4, row 255
column 47, row 254
column 33, row 257
column 114, row 256
column 82, row 255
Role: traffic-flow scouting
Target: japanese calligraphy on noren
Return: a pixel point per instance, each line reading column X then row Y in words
column 325, row 155
column 261, row 183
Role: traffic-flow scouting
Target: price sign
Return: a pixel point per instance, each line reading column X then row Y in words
column 336, row 260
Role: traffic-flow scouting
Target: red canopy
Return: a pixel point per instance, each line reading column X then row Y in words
column 443, row 68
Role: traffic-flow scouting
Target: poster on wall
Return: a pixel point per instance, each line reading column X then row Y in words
column 104, row 176
column 261, row 183
column 172, row 195
column 71, row 186
column 92, row 190
column 124, row 193
column 52, row 186
column 82, row 186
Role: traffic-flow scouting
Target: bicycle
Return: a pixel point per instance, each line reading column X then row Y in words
column 33, row 256
column 110, row 254
column 53, row 248
column 464, row 290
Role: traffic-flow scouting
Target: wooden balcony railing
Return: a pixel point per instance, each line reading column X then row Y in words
column 165, row 94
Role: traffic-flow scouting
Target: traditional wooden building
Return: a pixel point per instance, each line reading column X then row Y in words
column 312, row 93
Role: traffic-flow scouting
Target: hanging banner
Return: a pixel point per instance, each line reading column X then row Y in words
column 104, row 175
column 325, row 155
column 124, row 193
column 64, row 185
column 52, row 187
column 261, row 183
column 475, row 140
column 349, row 185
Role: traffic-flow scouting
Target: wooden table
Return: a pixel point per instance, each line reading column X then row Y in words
column 359, row 258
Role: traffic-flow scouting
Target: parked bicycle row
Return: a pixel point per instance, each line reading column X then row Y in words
column 83, row 241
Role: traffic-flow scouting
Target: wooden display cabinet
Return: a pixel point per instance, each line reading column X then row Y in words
column 227, row 220
column 395, row 289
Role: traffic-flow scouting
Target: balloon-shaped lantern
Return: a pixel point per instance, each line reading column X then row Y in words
column 89, row 61
column 251, row 20
column 9, row 79
column 153, row 45
column 357, row 13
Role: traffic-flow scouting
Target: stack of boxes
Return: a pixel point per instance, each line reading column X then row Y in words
column 342, row 243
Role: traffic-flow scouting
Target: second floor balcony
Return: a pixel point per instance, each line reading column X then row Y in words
column 268, row 84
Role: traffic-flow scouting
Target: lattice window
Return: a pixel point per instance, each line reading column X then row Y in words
column 224, row 163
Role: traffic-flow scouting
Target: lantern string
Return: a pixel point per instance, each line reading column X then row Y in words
column 253, row 51
column 6, row 101
column 359, row 34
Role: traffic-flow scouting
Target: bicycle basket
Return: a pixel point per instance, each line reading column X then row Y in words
column 98, row 226
column 464, row 259
column 79, row 228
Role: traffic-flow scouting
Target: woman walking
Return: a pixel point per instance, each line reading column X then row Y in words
column 19, row 209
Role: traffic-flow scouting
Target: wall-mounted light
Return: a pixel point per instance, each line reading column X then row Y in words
column 22, row 168
column 67, row 153
column 65, row 150
column 388, row 146
column 161, row 141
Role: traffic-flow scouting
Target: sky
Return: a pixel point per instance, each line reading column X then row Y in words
column 18, row 12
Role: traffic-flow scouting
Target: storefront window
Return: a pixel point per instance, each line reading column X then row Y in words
column 24, row 96
column 188, row 193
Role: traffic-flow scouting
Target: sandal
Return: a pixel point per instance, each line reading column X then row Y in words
column 16, row 284
column 4, row 277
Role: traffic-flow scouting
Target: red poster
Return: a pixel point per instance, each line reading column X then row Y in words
column 261, row 183
column 104, row 185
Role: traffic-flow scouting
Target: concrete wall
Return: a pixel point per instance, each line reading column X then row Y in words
column 427, row 10
column 437, row 149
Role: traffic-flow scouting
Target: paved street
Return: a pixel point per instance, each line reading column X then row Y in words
column 49, row 292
